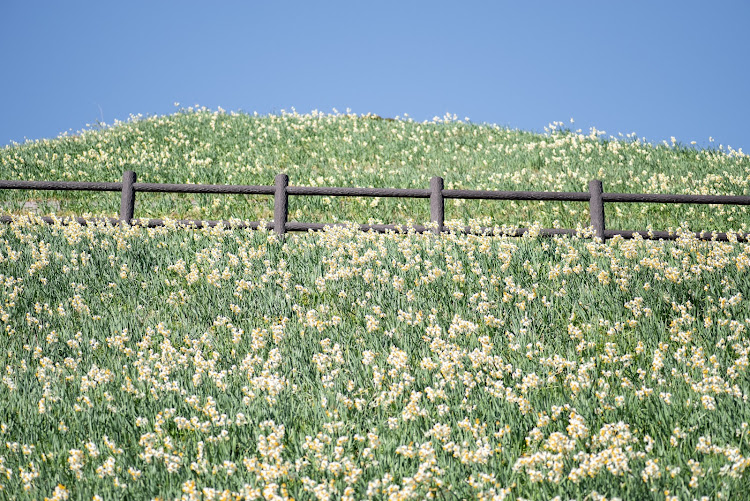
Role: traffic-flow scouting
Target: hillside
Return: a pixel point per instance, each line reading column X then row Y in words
column 200, row 146
column 211, row 364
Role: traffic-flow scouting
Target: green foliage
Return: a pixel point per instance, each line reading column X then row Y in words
column 171, row 363
column 200, row 146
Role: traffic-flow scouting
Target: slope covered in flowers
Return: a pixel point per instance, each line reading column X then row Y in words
column 174, row 363
column 200, row 146
column 220, row 364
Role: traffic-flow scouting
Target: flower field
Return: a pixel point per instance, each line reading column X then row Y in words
column 219, row 364
column 199, row 146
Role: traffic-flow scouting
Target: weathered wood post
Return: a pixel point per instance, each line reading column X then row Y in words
column 280, row 205
column 437, row 204
column 127, row 202
column 596, row 207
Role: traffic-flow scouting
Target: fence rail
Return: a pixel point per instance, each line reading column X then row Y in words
column 436, row 193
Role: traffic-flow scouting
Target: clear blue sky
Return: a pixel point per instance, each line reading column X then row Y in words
column 657, row 68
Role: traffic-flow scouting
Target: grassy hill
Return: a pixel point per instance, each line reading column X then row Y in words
column 170, row 363
column 198, row 146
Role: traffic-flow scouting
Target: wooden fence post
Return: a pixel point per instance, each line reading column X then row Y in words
column 280, row 205
column 596, row 207
column 127, row 202
column 437, row 204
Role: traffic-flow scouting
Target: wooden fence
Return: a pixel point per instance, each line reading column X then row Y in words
column 436, row 193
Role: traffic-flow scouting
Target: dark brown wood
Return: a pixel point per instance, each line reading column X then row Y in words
column 567, row 196
column 280, row 205
column 437, row 204
column 127, row 201
column 665, row 198
column 59, row 185
column 596, row 207
column 281, row 191
column 205, row 188
column 327, row 191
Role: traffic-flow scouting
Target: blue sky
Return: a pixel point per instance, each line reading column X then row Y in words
column 659, row 69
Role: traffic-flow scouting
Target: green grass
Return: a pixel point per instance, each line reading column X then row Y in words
column 198, row 146
column 330, row 361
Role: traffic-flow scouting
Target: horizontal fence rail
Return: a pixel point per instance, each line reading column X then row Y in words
column 436, row 193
